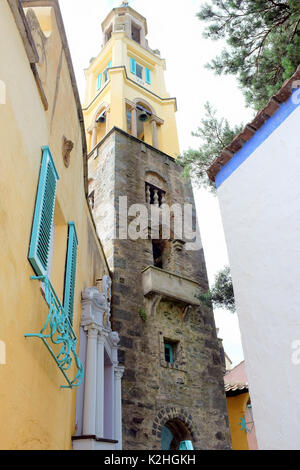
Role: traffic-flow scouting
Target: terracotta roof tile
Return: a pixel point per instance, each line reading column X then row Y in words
column 247, row 133
column 236, row 144
column 272, row 106
column 259, row 120
column 225, row 156
column 235, row 387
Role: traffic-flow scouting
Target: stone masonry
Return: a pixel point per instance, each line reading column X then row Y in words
column 189, row 393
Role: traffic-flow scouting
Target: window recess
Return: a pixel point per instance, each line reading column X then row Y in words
column 136, row 33
column 169, row 353
column 138, row 70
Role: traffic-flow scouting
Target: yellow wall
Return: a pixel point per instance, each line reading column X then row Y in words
column 34, row 411
column 124, row 85
column 236, row 406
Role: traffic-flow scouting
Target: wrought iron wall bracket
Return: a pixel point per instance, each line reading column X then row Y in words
column 245, row 425
column 58, row 336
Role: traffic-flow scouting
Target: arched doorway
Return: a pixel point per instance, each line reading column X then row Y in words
column 173, row 433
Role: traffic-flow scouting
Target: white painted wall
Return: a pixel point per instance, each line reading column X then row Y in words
column 260, row 206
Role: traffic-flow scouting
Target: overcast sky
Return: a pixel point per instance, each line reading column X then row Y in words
column 175, row 30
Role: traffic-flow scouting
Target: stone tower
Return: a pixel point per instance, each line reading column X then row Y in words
column 173, row 388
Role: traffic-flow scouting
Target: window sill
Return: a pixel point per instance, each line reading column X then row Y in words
column 174, row 366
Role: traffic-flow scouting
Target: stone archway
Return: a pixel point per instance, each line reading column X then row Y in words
column 173, row 433
column 178, row 422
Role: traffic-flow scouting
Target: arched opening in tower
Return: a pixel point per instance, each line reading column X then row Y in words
column 144, row 130
column 174, row 432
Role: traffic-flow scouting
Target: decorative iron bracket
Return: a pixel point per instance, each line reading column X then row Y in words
column 247, row 426
column 58, row 335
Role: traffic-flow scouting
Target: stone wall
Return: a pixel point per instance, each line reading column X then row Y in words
column 154, row 392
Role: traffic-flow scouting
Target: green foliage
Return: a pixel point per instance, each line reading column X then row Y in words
column 142, row 314
column 205, row 298
column 221, row 295
column 215, row 134
column 263, row 38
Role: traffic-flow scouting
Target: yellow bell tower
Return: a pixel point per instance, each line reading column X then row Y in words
column 126, row 86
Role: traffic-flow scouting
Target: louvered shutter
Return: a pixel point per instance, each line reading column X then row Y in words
column 70, row 271
column 132, row 66
column 43, row 215
column 148, row 76
column 99, row 79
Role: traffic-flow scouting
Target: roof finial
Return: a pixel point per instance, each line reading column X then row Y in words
column 124, row 4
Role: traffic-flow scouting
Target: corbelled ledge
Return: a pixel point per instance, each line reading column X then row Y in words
column 167, row 284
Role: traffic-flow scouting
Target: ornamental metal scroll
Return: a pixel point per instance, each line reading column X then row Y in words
column 246, row 423
column 58, row 336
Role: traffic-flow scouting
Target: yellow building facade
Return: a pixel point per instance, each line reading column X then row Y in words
column 242, row 428
column 237, row 406
column 126, row 86
column 41, row 126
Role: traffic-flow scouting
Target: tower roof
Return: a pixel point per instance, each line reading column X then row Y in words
column 124, row 8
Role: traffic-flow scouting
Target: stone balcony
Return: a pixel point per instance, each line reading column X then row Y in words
column 170, row 285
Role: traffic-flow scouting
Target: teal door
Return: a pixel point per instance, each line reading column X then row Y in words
column 166, row 438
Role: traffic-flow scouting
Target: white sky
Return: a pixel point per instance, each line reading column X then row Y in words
column 177, row 33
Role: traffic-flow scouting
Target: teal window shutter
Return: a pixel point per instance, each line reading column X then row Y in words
column 132, row 66
column 105, row 73
column 99, row 79
column 148, row 76
column 70, row 271
column 43, row 215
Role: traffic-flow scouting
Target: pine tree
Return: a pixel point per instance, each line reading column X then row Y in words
column 221, row 295
column 263, row 38
column 215, row 134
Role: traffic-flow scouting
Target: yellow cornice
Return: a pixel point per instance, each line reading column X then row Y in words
column 133, row 84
